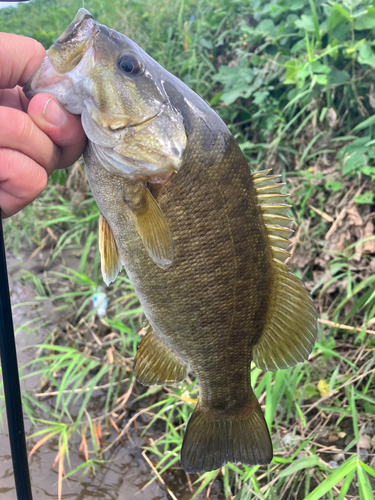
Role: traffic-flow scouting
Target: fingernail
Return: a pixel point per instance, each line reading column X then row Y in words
column 54, row 114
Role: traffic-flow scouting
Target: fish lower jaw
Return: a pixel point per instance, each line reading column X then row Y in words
column 47, row 79
column 62, row 86
column 117, row 163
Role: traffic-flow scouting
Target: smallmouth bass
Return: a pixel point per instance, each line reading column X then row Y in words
column 203, row 240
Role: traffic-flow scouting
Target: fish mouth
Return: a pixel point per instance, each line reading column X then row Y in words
column 82, row 27
column 46, row 78
column 68, row 60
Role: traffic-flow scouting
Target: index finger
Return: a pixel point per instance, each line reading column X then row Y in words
column 19, row 58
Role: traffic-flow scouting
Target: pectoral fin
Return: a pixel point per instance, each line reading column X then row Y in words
column 111, row 264
column 153, row 229
column 155, row 364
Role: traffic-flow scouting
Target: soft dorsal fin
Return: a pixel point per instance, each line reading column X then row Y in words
column 289, row 334
column 290, row 331
column 110, row 261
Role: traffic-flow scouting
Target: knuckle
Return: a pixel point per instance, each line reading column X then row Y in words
column 25, row 127
column 27, row 178
column 37, row 47
column 15, row 123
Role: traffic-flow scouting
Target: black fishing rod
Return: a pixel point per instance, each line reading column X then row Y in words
column 11, row 382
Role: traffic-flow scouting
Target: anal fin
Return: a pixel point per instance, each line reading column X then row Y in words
column 110, row 261
column 155, row 364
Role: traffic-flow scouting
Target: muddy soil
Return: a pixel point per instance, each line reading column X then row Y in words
column 121, row 478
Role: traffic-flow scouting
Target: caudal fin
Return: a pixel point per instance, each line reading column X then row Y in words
column 214, row 438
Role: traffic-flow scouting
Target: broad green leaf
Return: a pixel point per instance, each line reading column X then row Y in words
column 337, row 77
column 366, row 21
column 338, row 27
column 333, row 185
column 339, row 8
column 296, row 4
column 260, row 97
column 318, row 67
column 267, row 27
column 366, row 54
column 305, row 23
column 300, row 45
column 292, row 67
column 206, row 43
column 366, row 197
column 321, row 79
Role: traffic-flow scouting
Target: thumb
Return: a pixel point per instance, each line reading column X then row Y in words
column 63, row 128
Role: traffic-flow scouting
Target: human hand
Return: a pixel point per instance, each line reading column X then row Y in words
column 36, row 137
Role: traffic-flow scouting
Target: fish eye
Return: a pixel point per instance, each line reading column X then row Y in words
column 129, row 64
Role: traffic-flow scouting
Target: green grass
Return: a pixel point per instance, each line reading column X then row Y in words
column 294, row 82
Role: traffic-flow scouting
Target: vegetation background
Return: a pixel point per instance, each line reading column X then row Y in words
column 294, row 81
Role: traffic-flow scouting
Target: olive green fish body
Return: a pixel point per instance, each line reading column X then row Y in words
column 209, row 308
column 203, row 240
column 214, row 297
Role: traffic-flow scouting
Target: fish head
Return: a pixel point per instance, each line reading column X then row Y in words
column 118, row 89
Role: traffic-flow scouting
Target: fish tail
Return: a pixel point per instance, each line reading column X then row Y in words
column 214, row 438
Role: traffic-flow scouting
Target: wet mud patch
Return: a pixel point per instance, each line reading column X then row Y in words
column 124, row 473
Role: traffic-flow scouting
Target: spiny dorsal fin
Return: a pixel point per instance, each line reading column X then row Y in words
column 284, row 232
column 262, row 180
column 110, row 261
column 289, row 334
column 261, row 173
column 278, row 241
column 271, row 201
column 270, row 188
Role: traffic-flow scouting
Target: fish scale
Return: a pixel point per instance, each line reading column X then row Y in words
column 202, row 239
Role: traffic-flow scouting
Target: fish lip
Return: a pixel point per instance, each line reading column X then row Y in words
column 46, row 77
column 82, row 18
column 44, row 73
column 46, row 69
column 37, row 76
